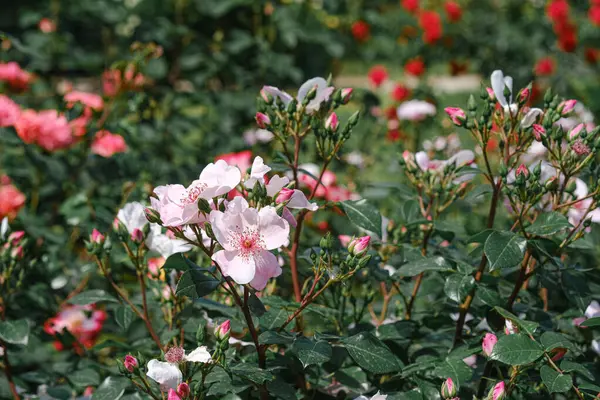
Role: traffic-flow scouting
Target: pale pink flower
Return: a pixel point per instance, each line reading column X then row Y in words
column 593, row 310
column 242, row 160
column 295, row 199
column 83, row 322
column 107, row 144
column 222, row 331
column 90, row 100
column 17, row 78
column 9, row 111
column 448, row 389
column 46, row 25
column 488, row 343
column 323, row 92
column 48, row 129
column 415, row 110
column 510, row 328
column 257, row 173
column 579, row 209
column 79, row 125
column 178, row 205
column 246, row 235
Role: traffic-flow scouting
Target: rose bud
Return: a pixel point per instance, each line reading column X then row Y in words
column 137, row 236
column 183, row 390
column 488, row 343
column 498, row 392
column 172, row 395
column 510, row 328
column 332, row 122
column 567, row 106
column 130, row 363
column 457, row 115
column 359, row 246
column 222, row 331
column 448, row 389
column 573, row 133
column 262, row 120
column 346, row 95
column 538, row 132
column 96, row 237
column 522, row 171
column 284, row 195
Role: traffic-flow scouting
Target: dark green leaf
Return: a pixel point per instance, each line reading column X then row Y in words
column 91, row 296
column 527, row 326
column 256, row 306
column 554, row 381
column 311, row 352
column 124, row 315
column 489, row 296
column 363, row 215
column 15, row 332
column 504, row 250
column 570, row 366
column 273, row 337
column 553, row 340
column 458, row 286
column 591, row 322
column 396, row 330
column 426, row 264
column 84, row 377
column 455, row 369
column 548, row 224
column 176, row 262
column 252, row 373
column 371, row 354
column 196, row 283
column 112, row 388
column 517, row 349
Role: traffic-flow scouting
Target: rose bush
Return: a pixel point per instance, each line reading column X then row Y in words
column 184, row 223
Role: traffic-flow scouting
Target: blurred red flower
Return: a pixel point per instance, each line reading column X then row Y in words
column 431, row 23
column 453, row 11
column 361, row 31
column 377, row 75
column 415, row 67
column 400, row 92
column 545, row 66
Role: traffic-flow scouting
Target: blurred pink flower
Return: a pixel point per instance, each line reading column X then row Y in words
column 17, row 78
column 11, row 200
column 90, row 100
column 46, row 25
column 107, row 144
column 9, row 111
column 83, row 322
column 48, row 129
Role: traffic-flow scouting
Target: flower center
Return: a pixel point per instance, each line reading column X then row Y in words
column 174, row 354
column 248, row 241
column 193, row 192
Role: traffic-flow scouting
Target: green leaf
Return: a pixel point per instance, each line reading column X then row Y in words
column 488, row 296
column 124, row 316
column 553, row 340
column 92, row 296
column 396, row 330
column 458, row 286
column 15, row 332
column 460, row 372
column 576, row 287
column 591, row 322
column 527, row 326
column 504, row 249
column 84, row 377
column 570, row 366
column 256, row 306
column 414, row 268
column 548, row 224
column 371, row 354
column 363, row 215
column 272, row 337
column 311, row 352
column 252, row 373
column 517, row 349
column 111, row 389
column 554, row 381
column 196, row 283
column 176, row 262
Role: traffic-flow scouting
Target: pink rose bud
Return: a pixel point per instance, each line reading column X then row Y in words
column 130, row 363
column 488, row 343
column 17, row 253
column 173, row 395
column 116, row 224
column 538, row 132
column 567, row 106
column 510, row 328
column 558, row 353
column 498, row 392
column 524, row 95
column 262, row 120
column 15, row 237
column 491, row 93
column 457, row 115
column 96, row 236
column 284, row 195
column 522, row 171
column 183, row 390
column 88, row 391
column 222, row 331
column 266, row 96
column 409, row 159
column 137, row 236
column 332, row 122
column 359, row 246
column 346, row 95
column 573, row 133
column 152, row 215
column 448, row 389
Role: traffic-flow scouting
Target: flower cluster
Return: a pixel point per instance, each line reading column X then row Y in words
column 558, row 12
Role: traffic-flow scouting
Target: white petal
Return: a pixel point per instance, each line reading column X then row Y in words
column 221, row 223
column 299, row 201
column 220, row 178
column 531, row 117
column 3, row 227
column 508, row 81
column 498, row 83
column 163, row 244
column 200, row 355
column 257, row 173
column 239, row 269
column 132, row 215
column 462, row 158
column 167, row 375
column 275, row 92
column 276, row 184
column 593, row 310
column 319, row 83
column 422, row 160
column 274, row 230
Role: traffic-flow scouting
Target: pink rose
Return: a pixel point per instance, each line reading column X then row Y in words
column 107, row 144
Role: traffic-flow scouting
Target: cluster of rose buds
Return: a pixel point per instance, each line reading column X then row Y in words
column 314, row 107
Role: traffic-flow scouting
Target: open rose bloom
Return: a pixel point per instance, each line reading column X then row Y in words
column 84, row 323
